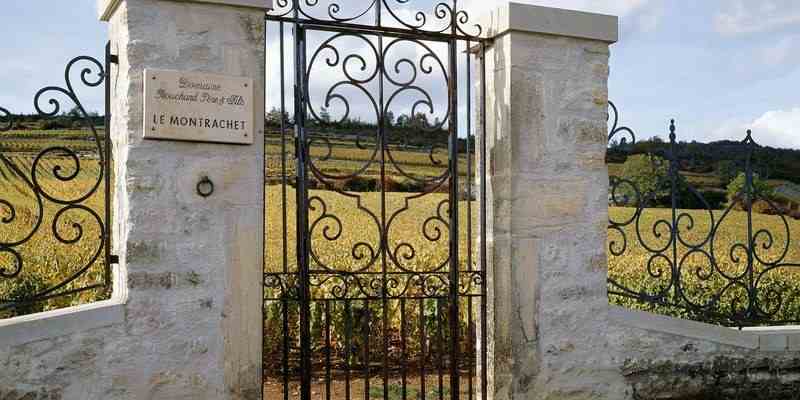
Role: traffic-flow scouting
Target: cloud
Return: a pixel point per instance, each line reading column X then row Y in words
column 615, row 7
column 644, row 15
column 766, row 60
column 636, row 15
column 405, row 60
column 779, row 128
column 740, row 17
column 784, row 50
column 648, row 19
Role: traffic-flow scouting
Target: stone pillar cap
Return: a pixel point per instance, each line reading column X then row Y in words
column 552, row 21
column 106, row 8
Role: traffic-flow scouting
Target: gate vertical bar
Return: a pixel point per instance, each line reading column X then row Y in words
column 469, row 144
column 284, row 219
column 483, row 255
column 302, row 214
column 384, row 233
column 675, row 233
column 749, row 199
column 452, row 87
column 106, row 167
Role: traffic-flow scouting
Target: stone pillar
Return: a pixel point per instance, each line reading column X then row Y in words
column 547, row 73
column 194, row 264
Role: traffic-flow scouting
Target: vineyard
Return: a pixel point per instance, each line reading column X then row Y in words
column 347, row 315
column 345, row 156
column 45, row 262
column 646, row 271
column 34, row 141
column 51, row 261
column 415, row 328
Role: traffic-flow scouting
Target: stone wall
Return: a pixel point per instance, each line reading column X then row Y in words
column 665, row 358
column 185, row 320
column 548, row 182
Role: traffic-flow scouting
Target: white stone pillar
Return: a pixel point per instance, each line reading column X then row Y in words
column 547, row 73
column 194, row 264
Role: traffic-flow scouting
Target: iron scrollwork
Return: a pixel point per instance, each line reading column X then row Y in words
column 373, row 241
column 716, row 265
column 441, row 18
column 6, row 120
column 57, row 203
column 348, row 271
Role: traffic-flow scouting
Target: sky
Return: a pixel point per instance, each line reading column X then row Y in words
column 718, row 67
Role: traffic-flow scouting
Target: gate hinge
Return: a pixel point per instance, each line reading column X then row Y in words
column 113, row 59
column 113, row 259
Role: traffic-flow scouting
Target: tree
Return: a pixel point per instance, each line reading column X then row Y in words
column 727, row 170
column 403, row 121
column 648, row 173
column 75, row 112
column 419, row 121
column 759, row 189
column 388, row 118
column 273, row 118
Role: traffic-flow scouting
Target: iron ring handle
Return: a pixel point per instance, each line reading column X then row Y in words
column 205, row 187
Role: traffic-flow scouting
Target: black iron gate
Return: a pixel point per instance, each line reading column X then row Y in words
column 55, row 196
column 374, row 284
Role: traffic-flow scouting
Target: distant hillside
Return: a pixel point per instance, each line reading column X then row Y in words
column 404, row 130
column 722, row 159
column 67, row 120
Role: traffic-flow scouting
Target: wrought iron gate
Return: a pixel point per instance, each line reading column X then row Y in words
column 55, row 196
column 374, row 284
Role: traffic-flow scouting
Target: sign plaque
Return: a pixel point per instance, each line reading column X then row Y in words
column 198, row 107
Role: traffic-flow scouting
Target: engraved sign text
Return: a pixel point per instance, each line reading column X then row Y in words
column 198, row 107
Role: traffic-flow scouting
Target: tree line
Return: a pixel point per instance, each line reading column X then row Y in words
column 723, row 159
column 72, row 119
column 406, row 129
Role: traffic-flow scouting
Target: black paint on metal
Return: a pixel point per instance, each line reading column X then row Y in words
column 357, row 303
column 19, row 263
column 205, row 187
column 744, row 297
